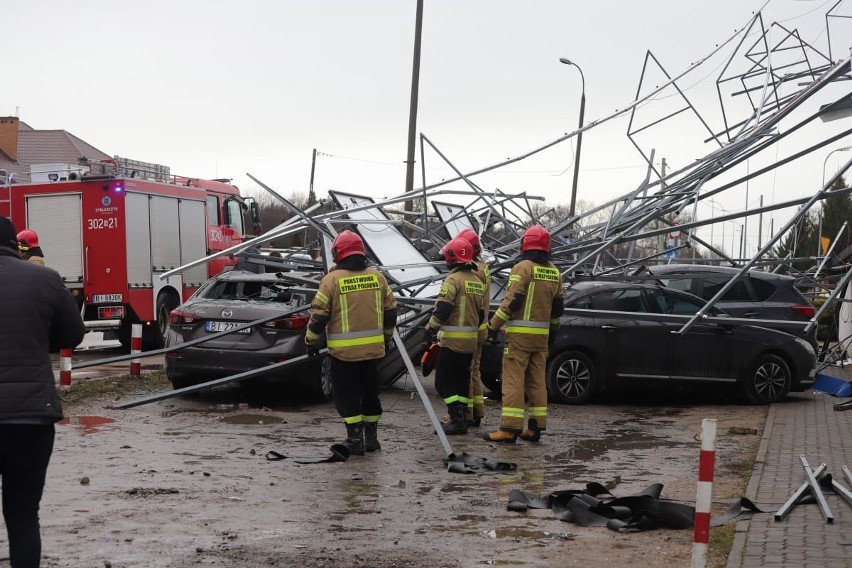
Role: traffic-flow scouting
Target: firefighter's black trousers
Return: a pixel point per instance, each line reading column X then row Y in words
column 356, row 388
column 452, row 376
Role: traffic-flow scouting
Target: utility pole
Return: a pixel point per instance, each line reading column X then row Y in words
column 312, row 197
column 412, row 113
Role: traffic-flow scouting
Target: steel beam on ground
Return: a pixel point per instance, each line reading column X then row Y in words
column 798, row 495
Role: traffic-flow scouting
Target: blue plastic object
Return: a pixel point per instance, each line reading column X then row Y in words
column 832, row 385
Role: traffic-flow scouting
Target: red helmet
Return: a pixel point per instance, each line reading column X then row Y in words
column 470, row 236
column 345, row 245
column 458, row 251
column 535, row 238
column 27, row 239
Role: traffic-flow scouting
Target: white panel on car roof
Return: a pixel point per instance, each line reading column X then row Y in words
column 390, row 247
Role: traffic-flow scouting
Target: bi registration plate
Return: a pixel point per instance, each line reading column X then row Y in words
column 217, row 326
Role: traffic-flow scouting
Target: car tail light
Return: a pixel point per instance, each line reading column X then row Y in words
column 111, row 312
column 177, row 317
column 807, row 311
column 291, row 322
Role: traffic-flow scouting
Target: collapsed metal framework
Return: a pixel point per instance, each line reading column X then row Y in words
column 778, row 80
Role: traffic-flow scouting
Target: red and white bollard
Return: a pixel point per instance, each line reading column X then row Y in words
column 135, row 349
column 704, row 496
column 65, row 366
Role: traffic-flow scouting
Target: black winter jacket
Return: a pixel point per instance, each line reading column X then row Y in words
column 37, row 316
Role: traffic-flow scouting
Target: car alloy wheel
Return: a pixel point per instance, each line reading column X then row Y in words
column 323, row 388
column 768, row 380
column 571, row 378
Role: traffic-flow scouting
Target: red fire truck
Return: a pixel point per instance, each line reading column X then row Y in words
column 112, row 228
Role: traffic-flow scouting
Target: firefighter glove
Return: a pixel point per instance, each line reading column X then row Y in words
column 431, row 337
column 492, row 338
column 312, row 350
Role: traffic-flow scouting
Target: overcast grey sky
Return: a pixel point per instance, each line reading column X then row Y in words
column 217, row 89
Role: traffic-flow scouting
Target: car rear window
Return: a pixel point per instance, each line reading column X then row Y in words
column 712, row 285
column 762, row 289
column 256, row 291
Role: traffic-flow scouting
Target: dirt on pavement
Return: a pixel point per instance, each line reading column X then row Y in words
column 185, row 482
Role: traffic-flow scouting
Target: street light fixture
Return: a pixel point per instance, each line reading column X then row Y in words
column 822, row 205
column 825, row 163
column 579, row 136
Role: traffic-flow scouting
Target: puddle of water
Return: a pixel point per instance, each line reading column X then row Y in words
column 259, row 419
column 87, row 424
column 519, row 533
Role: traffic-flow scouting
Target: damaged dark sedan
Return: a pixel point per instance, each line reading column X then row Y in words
column 231, row 300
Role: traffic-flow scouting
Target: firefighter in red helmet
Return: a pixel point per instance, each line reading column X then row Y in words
column 354, row 308
column 530, row 312
column 476, row 406
column 29, row 248
column 455, row 325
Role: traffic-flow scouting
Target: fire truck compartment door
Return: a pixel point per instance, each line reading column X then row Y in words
column 165, row 233
column 138, row 240
column 58, row 220
column 193, row 240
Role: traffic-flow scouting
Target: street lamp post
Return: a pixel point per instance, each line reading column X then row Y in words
column 822, row 206
column 579, row 136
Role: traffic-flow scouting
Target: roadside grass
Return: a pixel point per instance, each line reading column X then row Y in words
column 113, row 388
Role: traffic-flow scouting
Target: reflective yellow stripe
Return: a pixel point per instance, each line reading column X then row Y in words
column 311, row 336
column 353, row 419
column 356, row 341
column 509, row 412
column 456, row 398
column 379, row 312
column 538, row 411
column 514, row 278
column 478, row 399
column 459, row 334
column 344, row 314
column 372, row 418
column 503, row 314
column 527, row 330
column 321, row 298
column 529, row 301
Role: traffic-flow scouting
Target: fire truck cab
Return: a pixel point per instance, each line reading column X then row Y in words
column 112, row 228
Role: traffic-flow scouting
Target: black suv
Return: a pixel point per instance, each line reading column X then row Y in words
column 757, row 295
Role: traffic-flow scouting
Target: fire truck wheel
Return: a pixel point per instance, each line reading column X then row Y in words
column 167, row 300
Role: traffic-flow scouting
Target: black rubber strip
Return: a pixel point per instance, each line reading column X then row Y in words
column 466, row 463
column 339, row 453
column 597, row 507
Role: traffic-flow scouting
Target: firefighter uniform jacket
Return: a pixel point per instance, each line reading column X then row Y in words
column 532, row 306
column 485, row 274
column 459, row 310
column 357, row 310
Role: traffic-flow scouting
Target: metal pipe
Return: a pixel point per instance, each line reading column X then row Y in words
column 797, row 495
column 816, row 491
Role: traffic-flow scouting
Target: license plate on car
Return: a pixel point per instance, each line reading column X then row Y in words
column 216, row 326
column 105, row 298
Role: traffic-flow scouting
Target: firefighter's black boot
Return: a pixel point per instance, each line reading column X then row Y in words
column 532, row 433
column 458, row 420
column 371, row 439
column 355, row 438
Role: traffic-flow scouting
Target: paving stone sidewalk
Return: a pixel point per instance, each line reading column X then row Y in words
column 804, row 424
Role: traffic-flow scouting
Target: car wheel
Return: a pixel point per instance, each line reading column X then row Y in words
column 571, row 378
column 767, row 381
column 321, row 388
column 166, row 302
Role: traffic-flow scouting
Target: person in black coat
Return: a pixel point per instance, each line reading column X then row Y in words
column 37, row 316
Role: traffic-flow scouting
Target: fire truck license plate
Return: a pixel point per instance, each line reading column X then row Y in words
column 214, row 326
column 105, row 298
